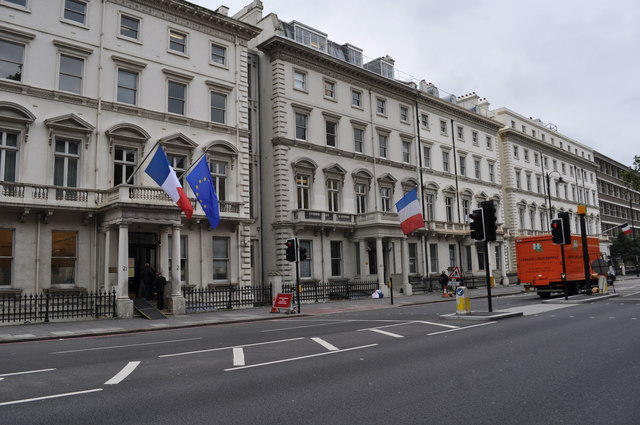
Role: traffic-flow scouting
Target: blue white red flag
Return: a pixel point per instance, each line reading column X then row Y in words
column 165, row 176
column 409, row 212
column 626, row 229
column 199, row 179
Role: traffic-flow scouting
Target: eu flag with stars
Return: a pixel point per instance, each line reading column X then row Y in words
column 200, row 181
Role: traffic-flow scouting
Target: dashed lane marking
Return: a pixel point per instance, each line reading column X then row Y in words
column 120, row 376
column 325, row 344
column 229, row 348
column 238, row 356
column 461, row 329
column 26, row 372
column 380, row 331
column 111, row 347
column 28, row 400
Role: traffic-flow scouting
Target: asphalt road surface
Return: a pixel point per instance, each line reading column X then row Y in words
column 557, row 364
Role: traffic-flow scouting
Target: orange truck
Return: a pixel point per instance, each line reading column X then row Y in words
column 539, row 263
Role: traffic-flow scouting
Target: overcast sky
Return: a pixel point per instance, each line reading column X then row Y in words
column 572, row 63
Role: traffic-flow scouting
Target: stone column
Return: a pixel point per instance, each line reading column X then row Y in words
column 124, row 305
column 406, row 286
column 380, row 266
column 164, row 252
column 176, row 302
column 107, row 251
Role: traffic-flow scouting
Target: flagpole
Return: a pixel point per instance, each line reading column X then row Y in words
column 142, row 162
column 424, row 216
column 194, row 163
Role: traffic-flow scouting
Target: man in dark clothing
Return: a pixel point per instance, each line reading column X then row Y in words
column 160, row 283
column 147, row 277
column 444, row 281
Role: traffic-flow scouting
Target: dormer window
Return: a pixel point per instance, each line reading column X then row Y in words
column 308, row 37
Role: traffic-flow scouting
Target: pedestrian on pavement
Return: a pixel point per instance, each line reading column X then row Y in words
column 147, row 276
column 160, row 284
column 444, row 281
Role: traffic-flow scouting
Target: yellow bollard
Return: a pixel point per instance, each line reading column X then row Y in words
column 462, row 301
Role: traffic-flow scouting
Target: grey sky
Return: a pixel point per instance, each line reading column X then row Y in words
column 573, row 63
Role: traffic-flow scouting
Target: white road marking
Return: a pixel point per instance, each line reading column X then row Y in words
column 307, row 326
column 229, row 348
column 325, row 344
column 299, row 358
column 26, row 372
column 238, row 356
column 380, row 331
column 126, row 371
column 28, row 400
column 461, row 329
column 437, row 324
column 125, row 346
column 529, row 310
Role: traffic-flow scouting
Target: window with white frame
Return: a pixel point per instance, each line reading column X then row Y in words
column 177, row 41
column 331, row 130
column 448, row 207
column 460, row 132
column 300, row 80
column 333, row 195
column 22, row 3
column 329, row 89
column 70, row 75
column 76, row 11
column 463, row 164
column 9, row 148
column 538, row 184
column 526, row 155
column 336, row 258
column 453, row 258
column 218, row 54
column 406, row 152
column 218, row 107
column 515, row 153
column 219, row 177
column 64, row 257
column 477, row 168
column 129, row 27
column 424, row 120
column 474, row 138
column 381, row 106
column 445, row 161
column 430, row 206
column 426, row 156
column 443, row 127
column 127, row 86
column 517, row 175
column 492, row 174
column 361, row 190
column 383, row 145
column 433, row 254
column 179, row 165
column 6, row 257
column 466, row 209
column 66, row 161
column 385, row 199
column 489, row 143
column 124, row 162
column 404, row 113
column 303, row 188
column 356, row 98
column 302, row 123
column 11, row 60
column 532, row 219
column 177, row 97
column 310, row 38
column 306, row 266
column 358, row 140
column 356, row 248
column 220, row 258
column 521, row 217
column 183, row 257
column 528, row 181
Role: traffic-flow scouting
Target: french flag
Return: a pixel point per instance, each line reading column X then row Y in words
column 162, row 173
column 409, row 212
column 626, row 229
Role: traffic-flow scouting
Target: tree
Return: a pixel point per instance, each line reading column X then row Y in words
column 631, row 176
column 626, row 248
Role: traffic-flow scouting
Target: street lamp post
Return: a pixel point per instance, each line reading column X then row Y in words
column 560, row 180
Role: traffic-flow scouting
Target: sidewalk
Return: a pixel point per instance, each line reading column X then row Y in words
column 57, row 330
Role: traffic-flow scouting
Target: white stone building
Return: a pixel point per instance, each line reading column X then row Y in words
column 544, row 173
column 87, row 89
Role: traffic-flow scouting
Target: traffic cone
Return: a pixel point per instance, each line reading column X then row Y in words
column 444, row 292
column 273, row 306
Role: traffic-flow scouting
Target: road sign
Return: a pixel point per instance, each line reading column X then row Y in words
column 455, row 274
column 282, row 301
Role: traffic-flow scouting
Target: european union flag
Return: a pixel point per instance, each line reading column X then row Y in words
column 200, row 181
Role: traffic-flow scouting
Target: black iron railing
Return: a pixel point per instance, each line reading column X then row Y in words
column 226, row 297
column 52, row 306
column 337, row 289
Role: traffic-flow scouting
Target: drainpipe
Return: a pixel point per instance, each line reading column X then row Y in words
column 37, row 260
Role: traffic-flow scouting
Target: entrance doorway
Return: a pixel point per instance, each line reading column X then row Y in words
column 142, row 250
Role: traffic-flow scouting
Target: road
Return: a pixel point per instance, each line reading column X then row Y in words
column 559, row 363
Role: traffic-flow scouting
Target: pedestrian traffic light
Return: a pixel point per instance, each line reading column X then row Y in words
column 490, row 220
column 291, row 249
column 302, row 254
column 566, row 226
column 557, row 231
column 477, row 224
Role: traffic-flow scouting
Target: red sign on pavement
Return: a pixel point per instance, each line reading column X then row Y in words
column 283, row 301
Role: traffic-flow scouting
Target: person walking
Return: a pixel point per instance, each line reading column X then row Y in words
column 160, row 284
column 147, row 277
column 444, row 281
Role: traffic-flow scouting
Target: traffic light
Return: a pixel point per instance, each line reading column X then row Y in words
column 490, row 220
column 557, row 231
column 477, row 224
column 302, row 254
column 566, row 226
column 291, row 249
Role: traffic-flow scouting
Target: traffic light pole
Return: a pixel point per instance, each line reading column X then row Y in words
column 564, row 274
column 298, row 284
column 488, row 273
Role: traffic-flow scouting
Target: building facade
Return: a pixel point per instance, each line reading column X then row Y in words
column 87, row 91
